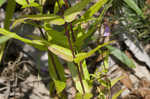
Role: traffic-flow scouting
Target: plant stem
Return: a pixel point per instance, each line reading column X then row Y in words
column 72, row 33
column 71, row 48
column 81, row 69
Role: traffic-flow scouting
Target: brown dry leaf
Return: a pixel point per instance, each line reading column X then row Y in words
column 147, row 97
column 144, row 83
column 131, row 97
column 144, row 91
column 126, row 81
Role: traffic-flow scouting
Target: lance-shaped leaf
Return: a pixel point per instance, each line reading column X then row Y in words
column 15, row 36
column 4, row 39
column 62, row 52
column 71, row 13
column 85, row 71
column 82, row 56
column 121, row 56
column 93, row 9
column 52, row 19
column 60, row 68
column 51, row 67
column 60, row 86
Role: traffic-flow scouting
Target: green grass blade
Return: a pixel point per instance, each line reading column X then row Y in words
column 134, row 6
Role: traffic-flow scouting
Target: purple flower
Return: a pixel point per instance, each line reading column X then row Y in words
column 106, row 34
column 107, row 31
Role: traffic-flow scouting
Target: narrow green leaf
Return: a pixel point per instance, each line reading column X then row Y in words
column 15, row 36
column 60, row 68
column 51, row 87
column 88, row 96
column 61, row 3
column 60, row 86
column 62, row 52
column 79, row 96
column 2, row 48
column 90, row 12
column 8, row 16
column 52, row 19
column 82, row 56
column 85, row 96
column 113, row 82
column 9, row 13
column 51, row 68
column 4, row 39
column 2, row 2
column 85, row 71
column 121, row 56
column 75, row 78
column 86, row 86
column 116, row 95
column 71, row 13
column 73, row 70
column 134, row 6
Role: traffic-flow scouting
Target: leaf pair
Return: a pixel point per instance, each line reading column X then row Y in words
column 66, row 54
